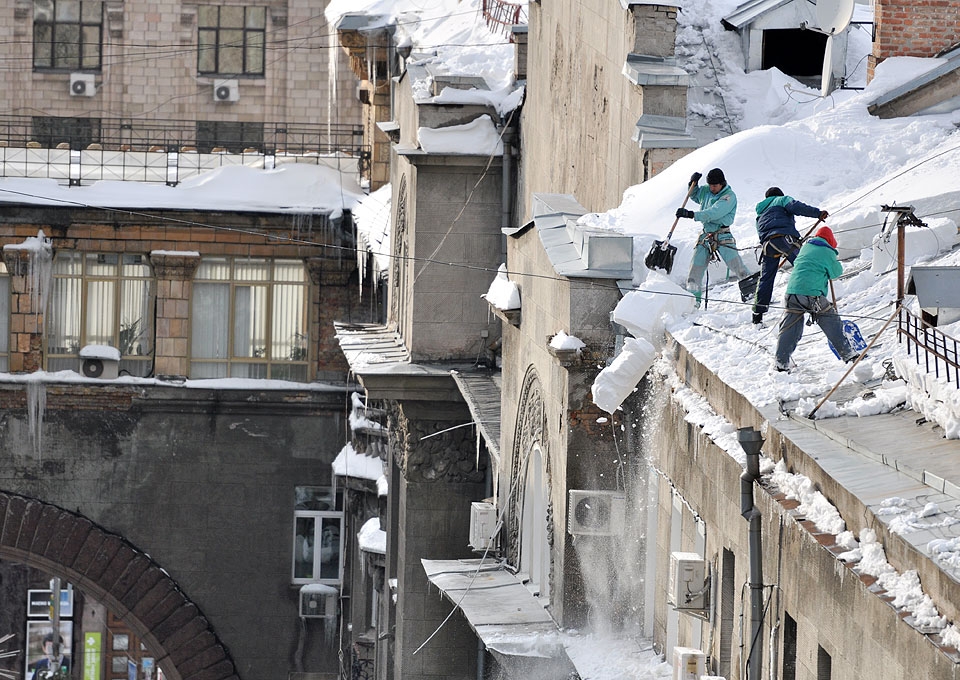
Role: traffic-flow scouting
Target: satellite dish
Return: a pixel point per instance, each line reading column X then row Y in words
column 834, row 15
column 826, row 80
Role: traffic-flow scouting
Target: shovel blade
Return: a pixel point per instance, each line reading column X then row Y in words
column 748, row 287
column 660, row 256
column 854, row 337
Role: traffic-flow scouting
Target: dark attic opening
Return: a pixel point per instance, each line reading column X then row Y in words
column 795, row 51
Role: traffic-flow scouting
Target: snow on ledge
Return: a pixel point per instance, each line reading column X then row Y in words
column 371, row 538
column 349, row 463
column 478, row 137
column 503, row 293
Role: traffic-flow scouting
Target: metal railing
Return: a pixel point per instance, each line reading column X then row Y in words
column 362, row 666
column 932, row 348
column 501, row 15
column 78, row 151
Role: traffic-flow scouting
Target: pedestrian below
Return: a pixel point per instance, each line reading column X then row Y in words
column 718, row 207
column 779, row 239
column 816, row 264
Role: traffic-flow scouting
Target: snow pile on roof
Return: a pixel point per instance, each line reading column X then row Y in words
column 503, row 293
column 371, row 538
column 291, row 188
column 349, row 463
column 451, row 37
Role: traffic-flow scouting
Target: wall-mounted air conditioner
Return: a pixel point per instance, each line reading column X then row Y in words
column 688, row 663
column 596, row 513
column 100, row 361
column 688, row 583
column 318, row 601
column 483, row 521
column 226, row 91
column 82, row 85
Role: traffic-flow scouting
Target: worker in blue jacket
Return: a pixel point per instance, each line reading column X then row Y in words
column 718, row 207
column 815, row 266
column 779, row 239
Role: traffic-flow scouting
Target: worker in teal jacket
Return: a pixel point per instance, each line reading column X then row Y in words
column 815, row 266
column 718, row 207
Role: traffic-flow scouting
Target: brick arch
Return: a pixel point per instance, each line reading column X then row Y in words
column 127, row 581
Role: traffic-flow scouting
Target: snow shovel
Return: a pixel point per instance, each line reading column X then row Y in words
column 661, row 253
column 850, row 330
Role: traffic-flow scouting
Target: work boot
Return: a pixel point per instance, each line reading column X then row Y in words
column 757, row 319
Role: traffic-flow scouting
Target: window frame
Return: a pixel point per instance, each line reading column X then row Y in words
column 271, row 283
column 319, row 523
column 84, row 280
column 82, row 61
column 218, row 46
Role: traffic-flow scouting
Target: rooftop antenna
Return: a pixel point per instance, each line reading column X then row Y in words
column 833, row 16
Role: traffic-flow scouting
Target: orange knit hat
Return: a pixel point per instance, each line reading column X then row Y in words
column 826, row 233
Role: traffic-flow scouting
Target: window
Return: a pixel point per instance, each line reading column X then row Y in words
column 100, row 299
column 67, row 34
column 231, row 40
column 79, row 132
column 249, row 319
column 230, row 135
column 534, row 533
column 317, row 528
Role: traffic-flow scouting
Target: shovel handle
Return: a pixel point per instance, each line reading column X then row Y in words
column 804, row 238
column 677, row 219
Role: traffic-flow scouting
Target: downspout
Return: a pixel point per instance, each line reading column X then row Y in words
column 505, row 189
column 751, row 441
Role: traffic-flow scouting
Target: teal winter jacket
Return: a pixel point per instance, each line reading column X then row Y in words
column 716, row 210
column 815, row 265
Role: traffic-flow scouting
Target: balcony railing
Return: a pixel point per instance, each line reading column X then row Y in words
column 501, row 15
column 932, row 348
column 79, row 151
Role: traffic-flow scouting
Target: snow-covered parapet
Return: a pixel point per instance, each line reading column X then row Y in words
column 646, row 311
column 478, row 137
column 503, row 293
column 102, row 352
column 934, row 397
column 350, row 463
column 371, row 538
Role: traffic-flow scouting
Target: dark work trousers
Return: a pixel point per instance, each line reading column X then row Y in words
column 771, row 255
column 824, row 313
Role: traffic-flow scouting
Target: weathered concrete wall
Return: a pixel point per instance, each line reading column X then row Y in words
column 580, row 111
column 201, row 480
column 813, row 587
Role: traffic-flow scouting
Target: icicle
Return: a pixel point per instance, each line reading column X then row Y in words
column 36, row 405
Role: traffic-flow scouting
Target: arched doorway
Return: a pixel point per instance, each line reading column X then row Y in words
column 139, row 596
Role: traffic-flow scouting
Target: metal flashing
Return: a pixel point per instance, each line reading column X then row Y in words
column 644, row 70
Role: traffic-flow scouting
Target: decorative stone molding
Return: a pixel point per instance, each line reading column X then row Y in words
column 174, row 266
column 530, row 431
column 448, row 457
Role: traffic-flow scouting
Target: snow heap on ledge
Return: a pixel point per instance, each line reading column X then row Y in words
column 371, row 538
column 350, row 463
column 503, row 293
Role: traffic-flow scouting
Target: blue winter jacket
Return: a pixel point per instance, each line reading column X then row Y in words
column 775, row 216
column 716, row 210
column 815, row 265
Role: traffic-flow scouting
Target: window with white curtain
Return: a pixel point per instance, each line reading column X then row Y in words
column 249, row 319
column 534, row 538
column 100, row 299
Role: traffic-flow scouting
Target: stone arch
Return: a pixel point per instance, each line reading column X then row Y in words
column 126, row 580
column 531, row 431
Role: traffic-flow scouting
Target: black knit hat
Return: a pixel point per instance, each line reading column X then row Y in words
column 715, row 176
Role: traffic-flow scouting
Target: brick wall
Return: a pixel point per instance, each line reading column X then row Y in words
column 920, row 28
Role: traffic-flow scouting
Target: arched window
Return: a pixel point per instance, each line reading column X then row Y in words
column 534, row 541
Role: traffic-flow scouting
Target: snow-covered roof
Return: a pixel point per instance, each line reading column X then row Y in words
column 906, row 100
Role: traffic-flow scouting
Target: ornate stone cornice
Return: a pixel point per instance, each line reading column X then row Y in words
column 447, row 457
column 174, row 266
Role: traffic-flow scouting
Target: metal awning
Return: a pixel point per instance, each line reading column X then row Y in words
column 500, row 610
column 481, row 391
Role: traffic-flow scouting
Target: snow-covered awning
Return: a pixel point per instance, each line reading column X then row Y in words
column 499, row 608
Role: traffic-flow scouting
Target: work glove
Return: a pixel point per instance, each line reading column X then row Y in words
column 694, row 179
column 824, row 215
column 683, row 212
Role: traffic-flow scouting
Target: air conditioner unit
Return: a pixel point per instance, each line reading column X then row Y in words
column 596, row 513
column 82, row 85
column 688, row 585
column 226, row 91
column 318, row 602
column 688, row 663
column 100, row 361
column 483, row 522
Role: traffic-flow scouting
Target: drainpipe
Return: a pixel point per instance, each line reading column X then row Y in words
column 505, row 189
column 751, row 441
column 481, row 663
